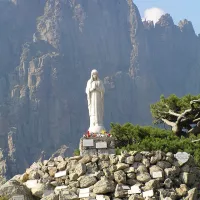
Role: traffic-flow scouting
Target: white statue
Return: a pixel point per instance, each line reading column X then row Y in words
column 95, row 96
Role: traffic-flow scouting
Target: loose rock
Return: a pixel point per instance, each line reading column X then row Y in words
column 104, row 187
column 87, row 181
column 143, row 177
column 80, row 169
column 120, row 176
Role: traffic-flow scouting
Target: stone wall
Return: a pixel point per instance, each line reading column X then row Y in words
column 132, row 176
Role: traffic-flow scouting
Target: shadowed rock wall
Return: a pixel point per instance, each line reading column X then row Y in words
column 47, row 52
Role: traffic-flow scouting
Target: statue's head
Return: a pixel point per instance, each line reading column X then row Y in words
column 94, row 74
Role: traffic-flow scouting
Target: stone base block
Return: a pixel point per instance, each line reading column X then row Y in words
column 105, row 151
column 97, row 145
column 89, row 152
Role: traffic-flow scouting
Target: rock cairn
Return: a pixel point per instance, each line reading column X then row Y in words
column 130, row 176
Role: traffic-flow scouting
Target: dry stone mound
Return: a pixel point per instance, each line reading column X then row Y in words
column 129, row 176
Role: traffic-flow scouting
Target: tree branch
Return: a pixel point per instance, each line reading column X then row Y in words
column 170, row 112
column 173, row 113
column 169, row 123
column 196, row 120
column 195, row 140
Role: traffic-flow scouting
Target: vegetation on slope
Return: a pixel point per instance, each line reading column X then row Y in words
column 133, row 137
column 182, row 114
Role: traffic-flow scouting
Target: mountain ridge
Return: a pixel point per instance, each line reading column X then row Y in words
column 48, row 52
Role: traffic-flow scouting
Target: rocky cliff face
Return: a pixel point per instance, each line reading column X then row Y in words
column 47, row 52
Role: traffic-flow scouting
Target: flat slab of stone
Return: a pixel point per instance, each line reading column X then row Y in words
column 31, row 183
column 88, row 142
column 182, row 157
column 84, row 192
column 60, row 187
column 83, row 195
column 50, row 165
column 135, row 189
column 60, row 174
column 158, row 174
column 100, row 197
column 18, row 197
column 101, row 145
column 125, row 187
column 148, row 193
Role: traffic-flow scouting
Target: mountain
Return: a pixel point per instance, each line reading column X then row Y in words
column 48, row 49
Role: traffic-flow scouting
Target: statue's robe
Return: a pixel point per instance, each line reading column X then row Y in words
column 95, row 102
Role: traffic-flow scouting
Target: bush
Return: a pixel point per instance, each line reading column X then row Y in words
column 3, row 198
column 146, row 138
column 76, row 153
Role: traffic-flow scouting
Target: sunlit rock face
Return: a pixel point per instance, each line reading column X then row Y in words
column 48, row 49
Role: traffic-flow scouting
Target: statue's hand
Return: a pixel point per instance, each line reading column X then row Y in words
column 93, row 88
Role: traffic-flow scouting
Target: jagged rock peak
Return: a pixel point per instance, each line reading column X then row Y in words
column 186, row 26
column 148, row 24
column 165, row 20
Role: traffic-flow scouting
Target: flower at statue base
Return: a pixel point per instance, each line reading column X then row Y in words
column 103, row 132
column 108, row 134
column 88, row 134
column 94, row 135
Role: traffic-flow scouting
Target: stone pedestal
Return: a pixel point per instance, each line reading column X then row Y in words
column 97, row 145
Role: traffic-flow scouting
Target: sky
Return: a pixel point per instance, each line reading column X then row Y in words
column 178, row 9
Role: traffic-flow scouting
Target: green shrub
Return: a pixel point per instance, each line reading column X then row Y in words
column 118, row 151
column 76, row 152
column 146, row 138
column 3, row 198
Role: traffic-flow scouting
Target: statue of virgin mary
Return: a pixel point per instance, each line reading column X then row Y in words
column 95, row 96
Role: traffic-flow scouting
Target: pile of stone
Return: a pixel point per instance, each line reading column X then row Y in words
column 131, row 176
